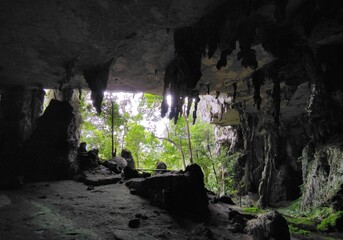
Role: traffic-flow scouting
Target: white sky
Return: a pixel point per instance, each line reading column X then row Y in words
column 135, row 99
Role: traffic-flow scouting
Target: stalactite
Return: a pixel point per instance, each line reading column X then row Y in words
column 183, row 73
column 97, row 78
column 197, row 99
column 234, row 85
column 276, row 100
column 257, row 80
column 246, row 36
column 217, row 94
column 280, row 10
column 223, row 57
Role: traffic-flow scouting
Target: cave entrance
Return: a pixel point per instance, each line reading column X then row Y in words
column 132, row 122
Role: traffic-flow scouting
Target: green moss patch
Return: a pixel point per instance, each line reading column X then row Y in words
column 297, row 230
column 330, row 222
column 252, row 210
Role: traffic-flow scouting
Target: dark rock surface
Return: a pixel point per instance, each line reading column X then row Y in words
column 129, row 158
column 99, row 176
column 161, row 166
column 224, row 199
column 46, row 152
column 20, row 107
column 180, row 193
column 323, row 180
column 130, row 173
column 268, row 226
column 134, row 223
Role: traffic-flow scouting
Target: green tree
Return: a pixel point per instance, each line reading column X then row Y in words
column 96, row 129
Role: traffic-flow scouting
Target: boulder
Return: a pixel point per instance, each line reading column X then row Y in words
column 160, row 167
column 224, row 199
column 130, row 173
column 113, row 164
column 99, row 176
column 180, row 193
column 268, row 226
column 129, row 158
column 88, row 160
column 47, row 151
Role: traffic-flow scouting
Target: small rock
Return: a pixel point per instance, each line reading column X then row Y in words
column 208, row 233
column 232, row 214
column 90, row 187
column 133, row 191
column 130, row 173
column 141, row 216
column 239, row 219
column 268, row 226
column 134, row 223
column 225, row 199
column 236, row 228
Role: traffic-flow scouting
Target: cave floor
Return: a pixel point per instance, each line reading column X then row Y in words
column 67, row 210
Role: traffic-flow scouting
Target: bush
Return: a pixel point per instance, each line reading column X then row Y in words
column 294, row 229
column 331, row 222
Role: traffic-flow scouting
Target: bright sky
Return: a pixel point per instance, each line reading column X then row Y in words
column 135, row 99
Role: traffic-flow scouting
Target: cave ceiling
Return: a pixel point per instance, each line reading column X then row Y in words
column 160, row 46
column 40, row 39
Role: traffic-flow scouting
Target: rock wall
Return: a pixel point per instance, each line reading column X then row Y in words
column 19, row 109
column 51, row 151
column 290, row 107
column 298, row 154
column 46, row 151
column 74, row 129
column 323, row 174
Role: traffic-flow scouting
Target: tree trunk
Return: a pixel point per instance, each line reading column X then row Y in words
column 210, row 153
column 188, row 137
column 179, row 147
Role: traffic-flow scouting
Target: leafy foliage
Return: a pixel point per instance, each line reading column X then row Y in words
column 297, row 230
column 330, row 222
column 139, row 128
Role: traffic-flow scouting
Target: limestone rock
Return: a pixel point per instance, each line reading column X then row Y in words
column 324, row 179
column 99, row 176
column 181, row 193
column 161, row 166
column 47, row 150
column 268, row 226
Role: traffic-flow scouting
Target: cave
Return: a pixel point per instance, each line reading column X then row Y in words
column 267, row 73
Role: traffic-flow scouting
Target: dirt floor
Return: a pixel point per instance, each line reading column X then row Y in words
column 67, row 210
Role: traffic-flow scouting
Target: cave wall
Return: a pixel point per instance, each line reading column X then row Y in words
column 51, row 151
column 290, row 107
column 300, row 153
column 20, row 107
column 323, row 174
column 73, row 96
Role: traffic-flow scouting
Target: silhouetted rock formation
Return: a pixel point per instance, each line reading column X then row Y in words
column 183, row 193
column 46, row 152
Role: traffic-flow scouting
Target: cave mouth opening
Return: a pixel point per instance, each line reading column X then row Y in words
column 132, row 122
